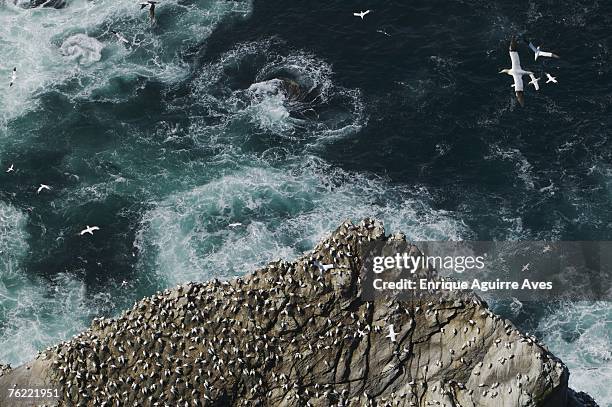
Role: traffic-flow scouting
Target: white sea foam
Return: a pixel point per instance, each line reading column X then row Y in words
column 83, row 49
column 580, row 334
column 38, row 40
column 283, row 214
column 34, row 312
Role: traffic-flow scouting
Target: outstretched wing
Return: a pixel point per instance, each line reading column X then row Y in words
column 533, row 47
column 514, row 56
column 518, row 82
column 549, row 54
column 520, row 96
column 518, row 88
column 534, row 81
column 516, row 61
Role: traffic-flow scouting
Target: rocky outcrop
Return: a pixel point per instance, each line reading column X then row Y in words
column 300, row 334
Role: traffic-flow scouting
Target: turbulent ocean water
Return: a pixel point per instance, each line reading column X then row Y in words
column 166, row 140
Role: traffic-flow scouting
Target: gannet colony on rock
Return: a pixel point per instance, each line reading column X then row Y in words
column 297, row 334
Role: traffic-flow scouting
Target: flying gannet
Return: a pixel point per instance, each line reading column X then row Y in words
column 551, row 78
column 43, row 187
column 234, row 225
column 151, row 4
column 13, row 77
column 120, row 37
column 11, row 168
column 516, row 72
column 89, row 229
column 539, row 53
column 534, row 81
column 362, row 14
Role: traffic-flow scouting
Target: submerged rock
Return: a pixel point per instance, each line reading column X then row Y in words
column 300, row 334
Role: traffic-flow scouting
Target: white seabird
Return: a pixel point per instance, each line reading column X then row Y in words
column 120, row 37
column 234, row 225
column 362, row 14
column 89, row 229
column 516, row 72
column 13, row 77
column 323, row 267
column 551, row 78
column 11, row 168
column 392, row 334
column 539, row 53
column 151, row 5
column 534, row 81
column 43, row 187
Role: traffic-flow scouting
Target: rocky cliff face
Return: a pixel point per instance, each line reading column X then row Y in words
column 299, row 334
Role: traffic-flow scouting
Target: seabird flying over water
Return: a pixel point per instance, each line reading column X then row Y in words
column 42, row 187
column 516, row 72
column 120, row 37
column 539, row 53
column 551, row 78
column 11, row 168
column 13, row 77
column 151, row 4
column 89, row 229
column 234, row 225
column 362, row 14
column 534, row 81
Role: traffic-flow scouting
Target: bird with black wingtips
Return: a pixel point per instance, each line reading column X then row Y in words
column 539, row 53
column 13, row 77
column 516, row 72
column 151, row 5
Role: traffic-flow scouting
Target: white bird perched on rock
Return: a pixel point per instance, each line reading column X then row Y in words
column 43, row 187
column 13, row 77
column 534, row 81
column 323, row 267
column 516, row 72
column 539, row 53
column 392, row 334
column 551, row 78
column 362, row 14
column 89, row 229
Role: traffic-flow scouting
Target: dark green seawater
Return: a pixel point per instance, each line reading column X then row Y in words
column 167, row 140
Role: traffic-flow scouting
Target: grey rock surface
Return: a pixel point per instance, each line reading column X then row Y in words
column 298, row 334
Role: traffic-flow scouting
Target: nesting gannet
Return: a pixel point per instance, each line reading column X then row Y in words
column 120, row 37
column 89, row 229
column 362, row 14
column 516, row 72
column 539, row 53
column 534, row 81
column 323, row 267
column 11, row 168
column 13, row 77
column 392, row 334
column 151, row 4
column 551, row 78
column 43, row 187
